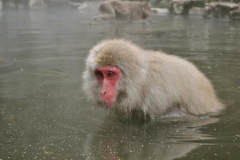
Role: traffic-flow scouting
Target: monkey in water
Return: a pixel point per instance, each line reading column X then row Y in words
column 124, row 10
column 125, row 78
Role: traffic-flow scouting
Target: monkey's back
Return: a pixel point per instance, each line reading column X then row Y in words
column 179, row 83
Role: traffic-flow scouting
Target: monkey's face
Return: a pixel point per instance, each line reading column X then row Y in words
column 146, row 8
column 107, row 78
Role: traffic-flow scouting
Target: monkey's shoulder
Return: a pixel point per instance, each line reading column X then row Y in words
column 162, row 57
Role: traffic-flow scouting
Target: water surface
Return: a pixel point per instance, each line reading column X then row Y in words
column 43, row 114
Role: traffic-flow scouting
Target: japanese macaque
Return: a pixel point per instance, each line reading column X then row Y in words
column 126, row 78
column 124, row 10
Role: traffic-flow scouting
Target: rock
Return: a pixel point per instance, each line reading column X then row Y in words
column 182, row 7
column 235, row 14
column 159, row 10
column 83, row 5
column 220, row 9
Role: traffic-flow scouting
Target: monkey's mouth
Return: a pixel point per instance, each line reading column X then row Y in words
column 108, row 103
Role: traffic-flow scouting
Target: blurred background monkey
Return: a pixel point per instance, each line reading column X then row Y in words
column 124, row 10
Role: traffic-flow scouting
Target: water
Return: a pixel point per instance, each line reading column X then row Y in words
column 43, row 114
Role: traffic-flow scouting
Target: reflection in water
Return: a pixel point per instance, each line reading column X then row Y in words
column 43, row 114
column 116, row 140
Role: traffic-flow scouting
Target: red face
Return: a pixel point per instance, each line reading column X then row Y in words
column 107, row 78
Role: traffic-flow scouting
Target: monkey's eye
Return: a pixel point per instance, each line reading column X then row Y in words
column 110, row 74
column 98, row 74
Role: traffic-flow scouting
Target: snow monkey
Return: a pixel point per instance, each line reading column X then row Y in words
column 124, row 78
column 125, row 10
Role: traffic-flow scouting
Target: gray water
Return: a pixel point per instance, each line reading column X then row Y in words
column 44, row 115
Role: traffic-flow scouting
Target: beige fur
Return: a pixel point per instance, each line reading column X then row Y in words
column 124, row 10
column 158, row 84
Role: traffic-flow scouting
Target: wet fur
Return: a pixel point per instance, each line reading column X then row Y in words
column 154, row 83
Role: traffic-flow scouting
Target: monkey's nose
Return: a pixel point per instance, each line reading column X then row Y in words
column 102, row 93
